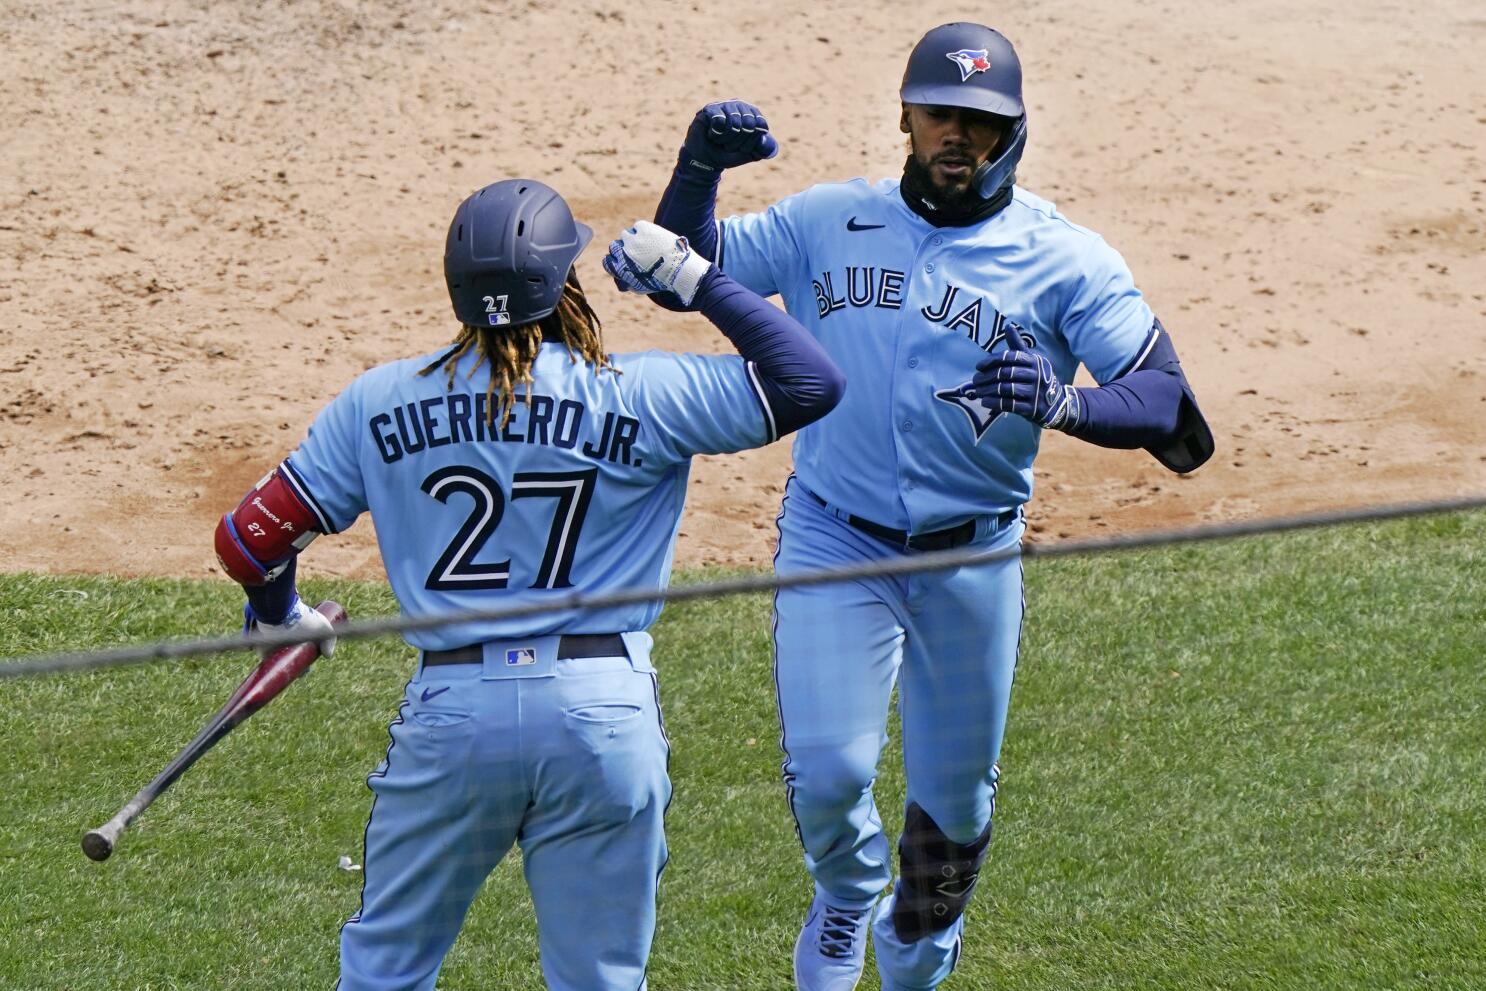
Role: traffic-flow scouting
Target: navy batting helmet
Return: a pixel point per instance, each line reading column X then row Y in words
column 973, row 67
column 509, row 251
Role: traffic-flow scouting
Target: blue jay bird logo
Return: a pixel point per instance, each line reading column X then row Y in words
column 970, row 61
column 981, row 415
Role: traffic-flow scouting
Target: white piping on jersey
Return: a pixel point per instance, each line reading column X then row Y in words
column 1139, row 359
column 295, row 482
column 763, row 399
column 1146, row 352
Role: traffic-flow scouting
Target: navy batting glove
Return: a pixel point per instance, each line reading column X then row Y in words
column 1023, row 382
column 727, row 134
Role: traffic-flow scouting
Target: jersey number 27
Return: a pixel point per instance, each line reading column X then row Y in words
column 457, row 570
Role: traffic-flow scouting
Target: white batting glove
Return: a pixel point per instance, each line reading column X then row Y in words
column 301, row 619
column 647, row 258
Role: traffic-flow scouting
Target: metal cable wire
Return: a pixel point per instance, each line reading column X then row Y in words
column 16, row 667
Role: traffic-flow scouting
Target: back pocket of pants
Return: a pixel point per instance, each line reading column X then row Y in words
column 440, row 717
column 604, row 720
column 617, row 762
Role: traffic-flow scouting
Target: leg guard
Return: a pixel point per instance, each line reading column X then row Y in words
column 938, row 876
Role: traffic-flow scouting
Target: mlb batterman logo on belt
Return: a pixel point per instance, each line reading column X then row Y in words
column 970, row 61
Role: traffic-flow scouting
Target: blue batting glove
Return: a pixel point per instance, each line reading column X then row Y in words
column 726, row 134
column 1022, row 381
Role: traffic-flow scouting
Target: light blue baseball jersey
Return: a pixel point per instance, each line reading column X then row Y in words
column 580, row 491
column 907, row 309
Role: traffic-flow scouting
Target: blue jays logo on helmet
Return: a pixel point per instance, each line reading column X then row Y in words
column 970, row 61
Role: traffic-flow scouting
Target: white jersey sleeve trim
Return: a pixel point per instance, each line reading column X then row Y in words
column 763, row 400
column 303, row 491
column 1145, row 352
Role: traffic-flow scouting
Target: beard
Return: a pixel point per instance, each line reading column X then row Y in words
column 955, row 204
column 949, row 195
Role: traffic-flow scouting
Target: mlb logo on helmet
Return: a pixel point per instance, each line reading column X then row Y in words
column 970, row 61
column 495, row 309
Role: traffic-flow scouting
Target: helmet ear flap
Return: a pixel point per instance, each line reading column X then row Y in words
column 1001, row 170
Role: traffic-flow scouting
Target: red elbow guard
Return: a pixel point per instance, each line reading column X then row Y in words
column 268, row 527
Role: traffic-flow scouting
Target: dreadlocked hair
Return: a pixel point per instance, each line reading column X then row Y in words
column 510, row 351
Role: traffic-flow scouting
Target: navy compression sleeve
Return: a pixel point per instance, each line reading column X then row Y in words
column 1140, row 409
column 271, row 601
column 797, row 377
column 689, row 206
column 1150, row 406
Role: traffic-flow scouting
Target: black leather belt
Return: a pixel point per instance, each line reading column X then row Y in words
column 570, row 645
column 934, row 540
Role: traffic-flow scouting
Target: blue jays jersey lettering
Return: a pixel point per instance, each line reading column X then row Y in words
column 907, row 309
column 568, row 491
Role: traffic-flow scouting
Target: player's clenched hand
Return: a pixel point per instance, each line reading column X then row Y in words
column 648, row 258
column 729, row 133
column 301, row 619
column 1022, row 381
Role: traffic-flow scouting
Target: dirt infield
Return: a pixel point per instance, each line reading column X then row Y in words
column 213, row 216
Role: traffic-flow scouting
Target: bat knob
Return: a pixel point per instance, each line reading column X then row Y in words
column 97, row 845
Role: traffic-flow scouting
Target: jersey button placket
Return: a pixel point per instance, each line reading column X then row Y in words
column 907, row 396
column 897, row 383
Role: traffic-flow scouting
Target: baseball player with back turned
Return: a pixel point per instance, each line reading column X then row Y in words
column 959, row 305
column 521, row 465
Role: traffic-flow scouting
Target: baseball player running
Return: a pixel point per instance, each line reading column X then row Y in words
column 959, row 306
column 519, row 466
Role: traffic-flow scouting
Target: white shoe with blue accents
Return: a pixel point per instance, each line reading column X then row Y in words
column 832, row 948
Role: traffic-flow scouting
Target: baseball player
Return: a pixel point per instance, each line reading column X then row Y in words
column 959, row 305
column 517, row 467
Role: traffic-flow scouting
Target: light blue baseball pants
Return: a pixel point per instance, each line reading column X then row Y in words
column 949, row 640
column 565, row 757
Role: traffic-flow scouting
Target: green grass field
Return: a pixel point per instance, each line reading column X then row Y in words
column 1255, row 765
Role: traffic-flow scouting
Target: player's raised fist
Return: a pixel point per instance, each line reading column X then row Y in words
column 728, row 133
column 647, row 258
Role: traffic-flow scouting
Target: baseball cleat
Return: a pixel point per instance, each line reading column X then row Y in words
column 832, row 948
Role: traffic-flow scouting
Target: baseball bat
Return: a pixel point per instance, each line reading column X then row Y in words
column 271, row 677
